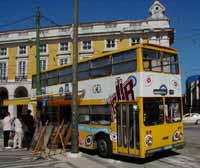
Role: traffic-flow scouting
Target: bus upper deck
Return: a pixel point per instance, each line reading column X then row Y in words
column 139, row 58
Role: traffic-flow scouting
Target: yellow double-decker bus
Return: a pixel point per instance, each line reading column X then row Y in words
column 129, row 100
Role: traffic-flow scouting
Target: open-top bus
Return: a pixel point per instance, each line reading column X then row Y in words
column 129, row 100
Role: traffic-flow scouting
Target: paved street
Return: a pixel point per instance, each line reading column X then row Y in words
column 185, row 158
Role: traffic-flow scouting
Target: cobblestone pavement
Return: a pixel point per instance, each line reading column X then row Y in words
column 189, row 157
column 24, row 159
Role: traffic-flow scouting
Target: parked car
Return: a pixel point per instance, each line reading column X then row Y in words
column 191, row 118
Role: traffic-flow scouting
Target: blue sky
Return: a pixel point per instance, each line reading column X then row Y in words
column 184, row 17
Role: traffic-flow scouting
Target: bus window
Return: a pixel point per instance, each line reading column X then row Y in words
column 100, row 119
column 100, row 114
column 84, row 112
column 100, row 67
column 173, row 110
column 84, row 119
column 160, row 61
column 131, row 126
column 52, row 78
column 83, row 71
column 124, row 62
column 44, row 79
column 153, row 111
column 65, row 75
column 151, row 60
column 170, row 63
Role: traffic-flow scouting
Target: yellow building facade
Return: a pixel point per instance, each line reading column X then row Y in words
column 18, row 50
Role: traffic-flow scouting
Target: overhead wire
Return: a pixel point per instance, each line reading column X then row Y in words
column 27, row 18
column 50, row 20
column 16, row 22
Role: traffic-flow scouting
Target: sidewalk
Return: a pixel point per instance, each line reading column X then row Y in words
column 24, row 159
column 85, row 160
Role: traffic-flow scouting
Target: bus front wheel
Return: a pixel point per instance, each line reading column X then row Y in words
column 104, row 147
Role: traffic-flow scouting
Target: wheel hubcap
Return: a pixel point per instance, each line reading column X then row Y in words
column 102, row 146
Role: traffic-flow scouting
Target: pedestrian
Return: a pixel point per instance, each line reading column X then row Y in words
column 6, row 122
column 29, row 128
column 18, row 133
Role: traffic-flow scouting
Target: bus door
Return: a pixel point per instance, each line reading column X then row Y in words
column 127, row 129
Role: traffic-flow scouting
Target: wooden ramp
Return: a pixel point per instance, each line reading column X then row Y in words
column 50, row 139
column 39, row 141
column 61, row 137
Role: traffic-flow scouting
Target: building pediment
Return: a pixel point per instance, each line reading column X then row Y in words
column 157, row 11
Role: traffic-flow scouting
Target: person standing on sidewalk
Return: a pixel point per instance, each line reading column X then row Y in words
column 6, row 122
column 29, row 128
column 18, row 133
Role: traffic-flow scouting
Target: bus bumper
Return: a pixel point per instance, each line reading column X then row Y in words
column 169, row 147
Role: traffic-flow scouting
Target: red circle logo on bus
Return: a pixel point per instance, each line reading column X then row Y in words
column 175, row 84
column 148, row 81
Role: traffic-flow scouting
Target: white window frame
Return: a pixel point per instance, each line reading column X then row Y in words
column 154, row 40
column 41, row 66
column 62, row 57
column 44, row 53
column 6, row 68
column 131, row 43
column 18, row 72
column 64, row 51
column 87, row 44
column 23, row 54
column 110, row 48
column 6, row 55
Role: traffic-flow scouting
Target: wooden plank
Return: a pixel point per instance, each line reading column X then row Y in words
column 62, row 135
column 40, row 141
column 55, row 139
column 68, row 135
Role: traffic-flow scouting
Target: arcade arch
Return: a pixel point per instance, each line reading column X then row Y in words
column 21, row 92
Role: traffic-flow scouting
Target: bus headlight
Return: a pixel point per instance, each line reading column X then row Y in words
column 148, row 140
column 88, row 140
column 135, row 107
column 177, row 136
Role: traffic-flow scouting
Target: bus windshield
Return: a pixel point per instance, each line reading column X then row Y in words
column 173, row 110
column 155, row 111
column 159, row 61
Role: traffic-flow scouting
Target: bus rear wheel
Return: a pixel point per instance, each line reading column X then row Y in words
column 104, row 147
